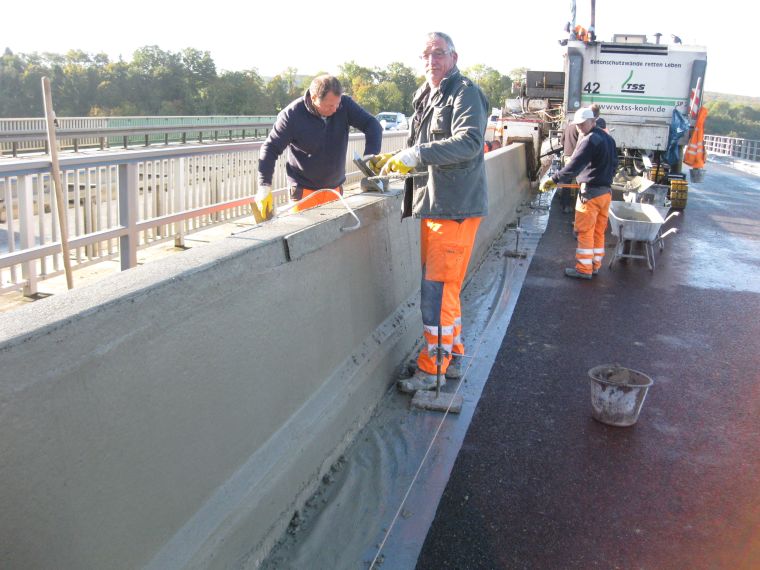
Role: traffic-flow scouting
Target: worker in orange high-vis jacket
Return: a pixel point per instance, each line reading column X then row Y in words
column 593, row 164
column 446, row 141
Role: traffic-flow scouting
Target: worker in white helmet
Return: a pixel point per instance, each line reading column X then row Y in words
column 593, row 164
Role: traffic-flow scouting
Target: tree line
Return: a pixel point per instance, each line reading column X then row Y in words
column 159, row 82
column 740, row 120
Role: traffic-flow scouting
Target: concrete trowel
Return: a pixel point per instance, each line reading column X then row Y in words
column 371, row 182
column 438, row 401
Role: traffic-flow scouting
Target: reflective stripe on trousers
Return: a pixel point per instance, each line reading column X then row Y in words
column 591, row 223
column 445, row 249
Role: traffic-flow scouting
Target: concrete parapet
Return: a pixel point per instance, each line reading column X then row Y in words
column 175, row 415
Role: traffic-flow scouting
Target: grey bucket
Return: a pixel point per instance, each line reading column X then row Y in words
column 697, row 174
column 617, row 394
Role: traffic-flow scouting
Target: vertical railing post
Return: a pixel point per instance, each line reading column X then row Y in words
column 180, row 184
column 26, row 227
column 128, row 179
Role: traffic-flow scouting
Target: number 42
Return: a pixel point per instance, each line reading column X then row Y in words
column 591, row 87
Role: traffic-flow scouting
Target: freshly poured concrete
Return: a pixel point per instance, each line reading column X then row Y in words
column 177, row 415
column 377, row 503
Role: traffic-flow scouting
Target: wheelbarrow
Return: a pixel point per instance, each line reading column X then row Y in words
column 634, row 222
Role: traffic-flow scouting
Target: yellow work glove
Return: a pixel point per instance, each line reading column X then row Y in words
column 263, row 207
column 402, row 162
column 377, row 161
column 548, row 185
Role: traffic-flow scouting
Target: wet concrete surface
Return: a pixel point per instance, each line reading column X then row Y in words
column 539, row 484
column 377, row 503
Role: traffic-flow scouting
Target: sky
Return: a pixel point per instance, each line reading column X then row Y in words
column 320, row 36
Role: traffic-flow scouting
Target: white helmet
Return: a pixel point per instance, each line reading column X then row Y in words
column 583, row 114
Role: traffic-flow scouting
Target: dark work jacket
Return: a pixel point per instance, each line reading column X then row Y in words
column 317, row 157
column 569, row 140
column 448, row 127
column 594, row 163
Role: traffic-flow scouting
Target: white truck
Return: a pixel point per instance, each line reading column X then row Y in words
column 637, row 85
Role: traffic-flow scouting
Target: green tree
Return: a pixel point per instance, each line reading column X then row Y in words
column 496, row 87
column 719, row 107
column 77, row 78
column 748, row 113
column 355, row 78
column 14, row 98
column 290, row 77
column 733, row 119
column 115, row 93
column 159, row 81
column 385, row 96
column 404, row 79
column 277, row 93
column 239, row 93
column 199, row 75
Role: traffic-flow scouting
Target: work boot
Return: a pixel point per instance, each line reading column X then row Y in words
column 420, row 381
column 454, row 371
column 573, row 272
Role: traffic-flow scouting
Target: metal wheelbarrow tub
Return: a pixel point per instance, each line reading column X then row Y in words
column 634, row 222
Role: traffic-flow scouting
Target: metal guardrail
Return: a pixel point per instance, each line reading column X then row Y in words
column 745, row 149
column 30, row 135
column 121, row 201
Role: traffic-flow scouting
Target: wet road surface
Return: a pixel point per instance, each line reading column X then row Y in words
column 539, row 484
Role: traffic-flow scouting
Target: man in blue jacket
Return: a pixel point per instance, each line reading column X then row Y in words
column 315, row 129
column 593, row 164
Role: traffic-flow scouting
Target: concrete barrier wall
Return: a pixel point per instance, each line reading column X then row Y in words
column 175, row 415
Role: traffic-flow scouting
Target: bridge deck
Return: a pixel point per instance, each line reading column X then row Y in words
column 539, row 484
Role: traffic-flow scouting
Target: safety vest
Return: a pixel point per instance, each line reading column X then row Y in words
column 582, row 34
column 695, row 155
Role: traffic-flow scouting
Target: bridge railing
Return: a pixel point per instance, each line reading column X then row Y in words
column 29, row 135
column 121, row 201
column 745, row 149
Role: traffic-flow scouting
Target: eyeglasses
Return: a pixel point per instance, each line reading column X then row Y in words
column 435, row 54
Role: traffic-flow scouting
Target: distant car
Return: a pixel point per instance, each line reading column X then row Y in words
column 393, row 121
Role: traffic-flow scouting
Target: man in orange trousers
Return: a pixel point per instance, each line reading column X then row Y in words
column 593, row 164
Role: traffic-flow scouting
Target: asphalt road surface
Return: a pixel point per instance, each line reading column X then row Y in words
column 539, row 484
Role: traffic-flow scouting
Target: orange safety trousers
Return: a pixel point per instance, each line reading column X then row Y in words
column 445, row 249
column 591, row 223
column 310, row 199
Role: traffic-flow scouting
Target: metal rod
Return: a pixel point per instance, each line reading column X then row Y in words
column 438, row 361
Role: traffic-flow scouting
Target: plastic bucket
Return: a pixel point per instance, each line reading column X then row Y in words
column 697, row 174
column 617, row 394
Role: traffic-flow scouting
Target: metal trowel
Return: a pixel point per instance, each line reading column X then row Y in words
column 438, row 401
column 371, row 182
